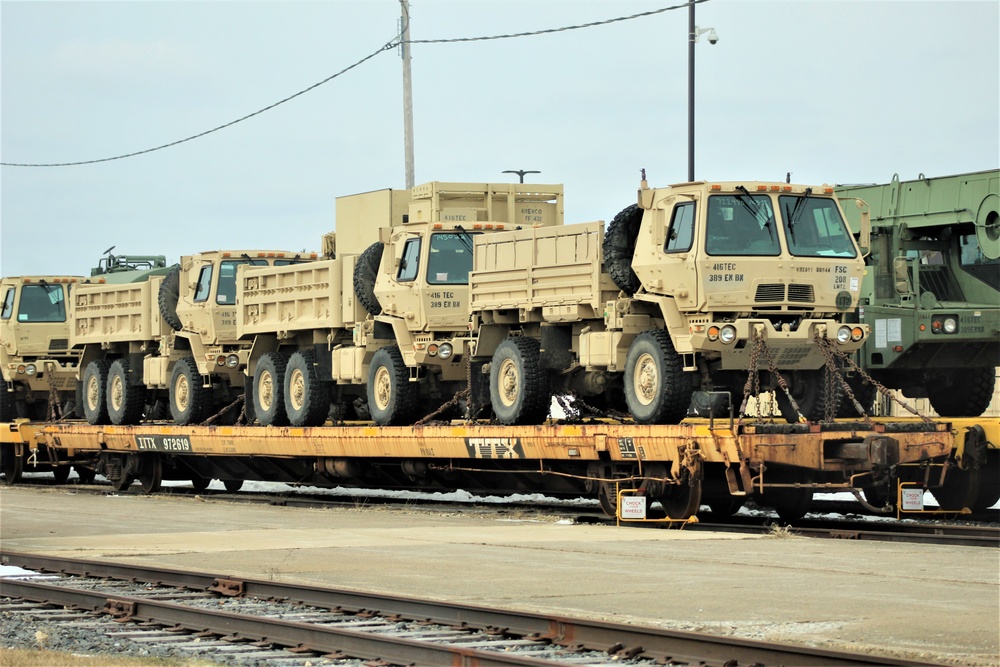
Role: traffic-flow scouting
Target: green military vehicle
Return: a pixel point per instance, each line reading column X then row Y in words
column 931, row 291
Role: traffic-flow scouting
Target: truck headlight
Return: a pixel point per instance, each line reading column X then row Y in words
column 727, row 334
column 445, row 350
column 844, row 335
column 233, row 360
column 950, row 325
column 30, row 369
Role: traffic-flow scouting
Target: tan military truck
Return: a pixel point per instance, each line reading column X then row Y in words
column 38, row 365
column 384, row 325
column 166, row 346
column 686, row 291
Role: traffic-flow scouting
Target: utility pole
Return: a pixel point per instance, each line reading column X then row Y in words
column 407, row 93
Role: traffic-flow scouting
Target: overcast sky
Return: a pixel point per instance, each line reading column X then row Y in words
column 834, row 92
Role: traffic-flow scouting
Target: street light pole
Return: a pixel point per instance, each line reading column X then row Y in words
column 521, row 172
column 407, row 94
column 693, row 33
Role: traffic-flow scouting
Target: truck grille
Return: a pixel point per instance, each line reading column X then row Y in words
column 801, row 293
column 774, row 292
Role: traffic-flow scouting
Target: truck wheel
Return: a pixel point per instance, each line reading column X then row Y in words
column 188, row 398
column 168, row 296
column 864, row 391
column 248, row 406
column 269, row 388
column 519, row 388
column 619, row 247
column 95, row 395
column 809, row 389
column 392, row 398
column 8, row 406
column 365, row 273
column 961, row 392
column 656, row 388
column 307, row 397
column 126, row 401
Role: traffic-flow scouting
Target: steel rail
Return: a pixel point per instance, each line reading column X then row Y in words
column 629, row 640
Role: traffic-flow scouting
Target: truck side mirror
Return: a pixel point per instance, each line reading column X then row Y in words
column 901, row 276
column 865, row 233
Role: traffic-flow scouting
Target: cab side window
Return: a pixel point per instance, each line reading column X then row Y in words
column 204, row 284
column 410, row 263
column 681, row 231
column 8, row 304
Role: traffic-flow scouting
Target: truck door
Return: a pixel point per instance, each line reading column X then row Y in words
column 674, row 239
column 400, row 291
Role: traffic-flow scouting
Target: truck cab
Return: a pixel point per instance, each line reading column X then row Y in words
column 35, row 354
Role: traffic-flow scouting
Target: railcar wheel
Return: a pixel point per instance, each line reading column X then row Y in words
column 150, row 473
column 619, row 247
column 126, row 400
column 232, row 485
column 366, row 269
column 989, row 483
column 725, row 506
column 790, row 503
column 95, row 399
column 168, row 296
column 392, row 398
column 11, row 465
column 681, row 501
column 61, row 474
column 307, row 397
column 607, row 499
column 269, row 389
column 188, row 398
column 200, row 483
column 656, row 388
column 809, row 389
column 126, row 465
column 519, row 388
column 961, row 393
column 878, row 495
column 86, row 475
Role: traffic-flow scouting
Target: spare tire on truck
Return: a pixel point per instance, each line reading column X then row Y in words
column 365, row 273
column 619, row 246
column 168, row 296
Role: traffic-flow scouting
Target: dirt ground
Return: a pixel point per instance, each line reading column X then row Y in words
column 924, row 602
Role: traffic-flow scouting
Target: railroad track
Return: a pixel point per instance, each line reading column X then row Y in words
column 956, row 532
column 174, row 605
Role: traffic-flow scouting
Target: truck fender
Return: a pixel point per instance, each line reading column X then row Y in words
column 488, row 338
column 676, row 323
column 402, row 336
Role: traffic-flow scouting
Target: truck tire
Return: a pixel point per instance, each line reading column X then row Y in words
column 8, row 406
column 961, row 392
column 307, row 397
column 365, row 273
column 619, row 247
column 168, row 296
column 269, row 389
column 864, row 391
column 248, row 407
column 126, row 401
column 392, row 398
column 656, row 388
column 95, row 395
column 808, row 388
column 519, row 388
column 188, row 398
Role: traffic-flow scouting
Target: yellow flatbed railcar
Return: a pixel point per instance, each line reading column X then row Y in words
column 718, row 463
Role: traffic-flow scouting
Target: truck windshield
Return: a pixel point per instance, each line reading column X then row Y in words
column 976, row 262
column 41, row 303
column 814, row 228
column 450, row 258
column 741, row 224
column 227, row 277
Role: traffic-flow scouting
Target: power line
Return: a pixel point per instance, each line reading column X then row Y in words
column 392, row 44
